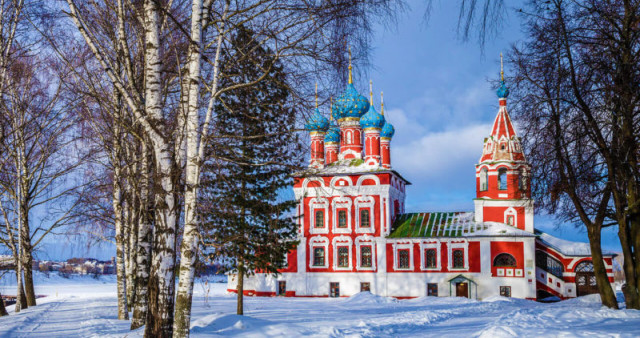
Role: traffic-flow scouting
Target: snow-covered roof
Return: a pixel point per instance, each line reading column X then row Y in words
column 350, row 166
column 450, row 224
column 567, row 248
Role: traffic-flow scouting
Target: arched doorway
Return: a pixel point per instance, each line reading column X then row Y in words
column 585, row 279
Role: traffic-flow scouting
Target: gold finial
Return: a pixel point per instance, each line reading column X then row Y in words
column 371, row 92
column 382, row 103
column 350, row 73
column 501, row 69
column 316, row 95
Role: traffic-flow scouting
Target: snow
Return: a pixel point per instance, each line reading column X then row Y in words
column 494, row 229
column 86, row 307
column 568, row 248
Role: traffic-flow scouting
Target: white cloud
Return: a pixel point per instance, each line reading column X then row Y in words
column 440, row 155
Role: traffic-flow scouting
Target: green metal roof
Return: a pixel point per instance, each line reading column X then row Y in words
column 435, row 224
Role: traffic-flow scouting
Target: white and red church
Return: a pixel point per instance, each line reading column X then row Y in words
column 355, row 235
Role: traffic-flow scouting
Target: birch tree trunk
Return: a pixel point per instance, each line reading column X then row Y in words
column 120, row 268
column 21, row 302
column 143, row 256
column 162, row 280
column 189, row 245
column 27, row 255
column 132, row 230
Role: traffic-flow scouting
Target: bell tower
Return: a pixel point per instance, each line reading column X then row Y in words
column 503, row 189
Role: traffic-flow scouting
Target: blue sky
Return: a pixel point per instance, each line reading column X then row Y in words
column 439, row 97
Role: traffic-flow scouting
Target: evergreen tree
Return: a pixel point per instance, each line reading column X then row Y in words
column 248, row 225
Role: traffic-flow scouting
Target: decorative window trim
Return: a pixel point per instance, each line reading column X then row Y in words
column 342, row 241
column 319, row 203
column 341, row 203
column 305, row 183
column 321, row 242
column 366, row 240
column 450, row 247
column 402, row 246
column 511, row 212
column 368, row 177
column 423, row 251
column 361, row 203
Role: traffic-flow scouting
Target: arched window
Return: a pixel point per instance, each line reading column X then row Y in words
column 586, row 266
column 504, row 260
column 484, row 176
column 502, row 179
column 348, row 140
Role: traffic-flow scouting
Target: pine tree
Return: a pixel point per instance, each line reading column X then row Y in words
column 246, row 220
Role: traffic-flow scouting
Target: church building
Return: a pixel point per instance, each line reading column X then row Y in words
column 355, row 235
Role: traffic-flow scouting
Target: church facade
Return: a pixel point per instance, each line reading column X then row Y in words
column 355, row 235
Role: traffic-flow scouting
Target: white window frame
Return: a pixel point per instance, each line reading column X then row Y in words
column 366, row 241
column 463, row 245
column 319, row 203
column 319, row 242
column 511, row 212
column 342, row 241
column 341, row 203
column 396, row 252
column 365, row 202
column 423, row 260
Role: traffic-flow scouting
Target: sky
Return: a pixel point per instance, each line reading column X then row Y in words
column 438, row 95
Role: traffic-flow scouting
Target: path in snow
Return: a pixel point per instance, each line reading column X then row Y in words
column 88, row 308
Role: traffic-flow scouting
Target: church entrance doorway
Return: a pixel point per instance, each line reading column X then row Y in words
column 462, row 290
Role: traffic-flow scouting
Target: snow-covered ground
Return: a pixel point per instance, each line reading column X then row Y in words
column 85, row 307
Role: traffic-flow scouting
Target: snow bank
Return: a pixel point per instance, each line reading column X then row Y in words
column 367, row 297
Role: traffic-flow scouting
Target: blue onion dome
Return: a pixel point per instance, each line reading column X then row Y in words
column 350, row 104
column 333, row 135
column 317, row 122
column 503, row 91
column 372, row 119
column 387, row 130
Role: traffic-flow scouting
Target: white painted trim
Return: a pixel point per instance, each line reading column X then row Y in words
column 314, row 204
column 370, row 241
column 423, row 259
column 308, row 180
column 368, row 177
column 511, row 212
column 341, row 202
column 465, row 246
column 365, row 202
column 402, row 246
column 319, row 241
